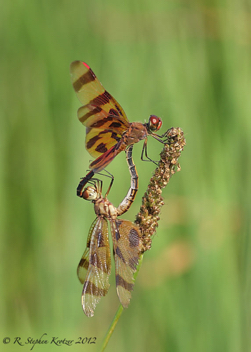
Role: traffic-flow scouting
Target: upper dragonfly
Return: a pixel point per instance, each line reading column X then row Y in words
column 108, row 131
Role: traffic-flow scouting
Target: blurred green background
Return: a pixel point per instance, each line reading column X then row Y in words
column 186, row 61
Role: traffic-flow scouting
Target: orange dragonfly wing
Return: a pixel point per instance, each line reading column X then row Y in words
column 95, row 266
column 127, row 248
column 104, row 118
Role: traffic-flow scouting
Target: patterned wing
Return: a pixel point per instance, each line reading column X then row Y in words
column 102, row 115
column 97, row 261
column 127, row 247
column 84, row 261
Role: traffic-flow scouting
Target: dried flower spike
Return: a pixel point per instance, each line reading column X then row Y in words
column 152, row 201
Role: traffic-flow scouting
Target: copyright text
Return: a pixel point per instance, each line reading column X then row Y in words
column 46, row 340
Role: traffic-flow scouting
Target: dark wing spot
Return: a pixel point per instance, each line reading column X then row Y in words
column 101, row 157
column 84, row 263
column 94, row 260
column 98, row 262
column 120, row 112
column 119, row 254
column 89, row 76
column 89, row 240
column 113, row 112
column 89, row 114
column 100, row 123
column 90, row 288
column 115, row 124
column 117, row 235
column 101, row 99
column 115, row 136
column 121, row 282
column 133, row 262
column 104, row 132
column 101, row 242
column 101, row 148
column 92, row 141
column 133, row 238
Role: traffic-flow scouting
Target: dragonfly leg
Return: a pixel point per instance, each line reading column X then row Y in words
column 144, row 151
column 162, row 139
column 110, row 186
column 107, row 174
column 96, row 183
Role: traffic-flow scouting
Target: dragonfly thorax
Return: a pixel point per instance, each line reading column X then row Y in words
column 103, row 207
column 135, row 133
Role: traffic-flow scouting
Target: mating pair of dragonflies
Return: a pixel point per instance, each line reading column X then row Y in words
column 108, row 132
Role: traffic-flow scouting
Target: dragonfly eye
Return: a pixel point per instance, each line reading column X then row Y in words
column 154, row 123
column 90, row 193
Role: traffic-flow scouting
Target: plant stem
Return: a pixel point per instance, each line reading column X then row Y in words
column 112, row 327
column 118, row 314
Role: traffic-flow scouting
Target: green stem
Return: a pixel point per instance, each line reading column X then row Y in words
column 112, row 327
column 118, row 313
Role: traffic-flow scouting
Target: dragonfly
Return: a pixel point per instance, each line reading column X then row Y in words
column 95, row 265
column 108, row 131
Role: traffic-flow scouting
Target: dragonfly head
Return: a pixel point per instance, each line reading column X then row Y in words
column 90, row 193
column 154, row 123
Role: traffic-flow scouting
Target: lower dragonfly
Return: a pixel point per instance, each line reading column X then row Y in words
column 95, row 265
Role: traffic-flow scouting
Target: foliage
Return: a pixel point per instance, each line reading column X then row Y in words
column 187, row 62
